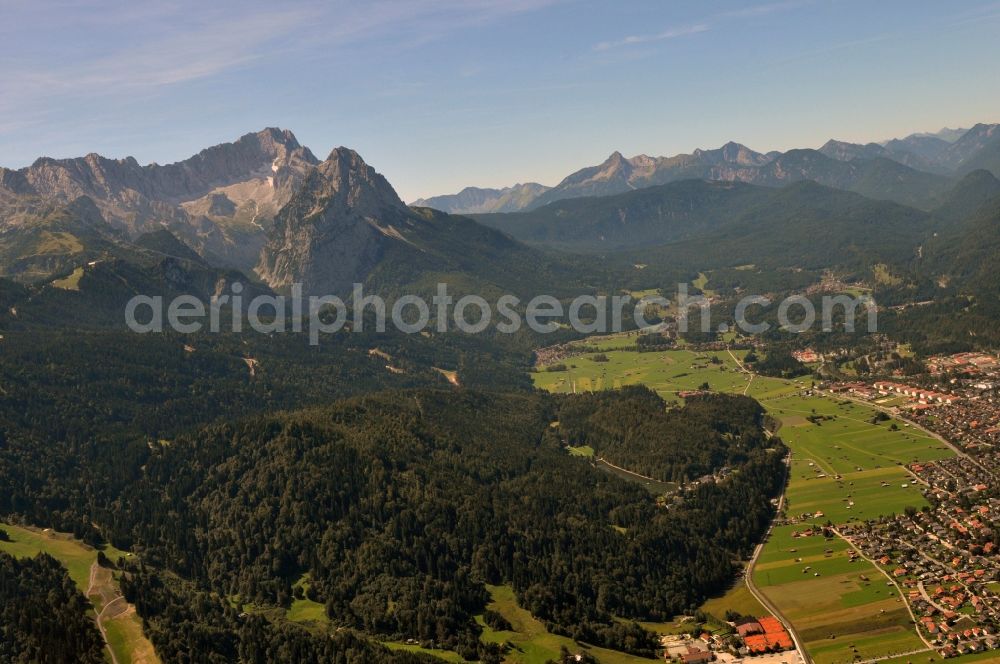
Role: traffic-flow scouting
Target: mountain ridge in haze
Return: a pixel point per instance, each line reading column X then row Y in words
column 473, row 200
column 947, row 153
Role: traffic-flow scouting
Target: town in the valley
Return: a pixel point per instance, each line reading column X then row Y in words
column 942, row 557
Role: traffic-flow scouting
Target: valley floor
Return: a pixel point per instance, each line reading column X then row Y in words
column 844, row 469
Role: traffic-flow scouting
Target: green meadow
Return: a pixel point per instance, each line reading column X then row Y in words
column 847, row 467
column 531, row 642
column 667, row 372
column 842, row 438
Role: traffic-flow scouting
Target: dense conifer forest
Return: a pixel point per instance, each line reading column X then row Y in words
column 44, row 618
column 412, row 497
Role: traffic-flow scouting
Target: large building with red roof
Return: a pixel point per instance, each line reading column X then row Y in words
column 774, row 638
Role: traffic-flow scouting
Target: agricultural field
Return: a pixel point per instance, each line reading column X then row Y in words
column 859, row 496
column 840, row 608
column 928, row 658
column 846, row 468
column 667, row 372
column 839, row 437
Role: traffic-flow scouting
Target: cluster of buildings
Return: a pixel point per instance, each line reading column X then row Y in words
column 967, row 414
column 749, row 637
column 689, row 651
column 559, row 353
column 920, row 395
column 963, row 363
column 807, row 356
column 764, row 635
column 972, row 424
column 944, row 556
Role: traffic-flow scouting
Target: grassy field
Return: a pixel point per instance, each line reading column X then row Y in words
column 667, row 372
column 58, row 242
column 71, row 282
column 306, row 610
column 926, row 658
column 839, row 607
column 533, row 644
column 124, row 631
column 856, row 497
column 28, row 543
column 843, row 438
column 124, row 635
column 739, row 599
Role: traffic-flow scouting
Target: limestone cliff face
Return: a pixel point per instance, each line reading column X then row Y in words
column 220, row 201
column 123, row 181
column 335, row 228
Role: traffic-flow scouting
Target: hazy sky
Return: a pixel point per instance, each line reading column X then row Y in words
column 440, row 94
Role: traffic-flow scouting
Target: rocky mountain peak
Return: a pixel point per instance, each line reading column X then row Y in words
column 334, row 228
column 737, row 153
column 731, row 153
column 616, row 165
column 355, row 184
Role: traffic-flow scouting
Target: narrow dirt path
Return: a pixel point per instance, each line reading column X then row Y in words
column 94, row 571
column 744, row 369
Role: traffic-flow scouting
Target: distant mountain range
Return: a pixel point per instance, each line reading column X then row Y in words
column 473, row 200
column 914, row 171
column 264, row 209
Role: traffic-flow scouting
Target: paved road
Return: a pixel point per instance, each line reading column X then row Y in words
column 755, row 591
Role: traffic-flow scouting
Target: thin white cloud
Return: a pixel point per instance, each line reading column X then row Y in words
column 706, row 25
column 671, row 33
column 179, row 52
column 171, row 43
column 764, row 9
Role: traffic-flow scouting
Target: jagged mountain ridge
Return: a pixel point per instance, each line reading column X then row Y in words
column 333, row 228
column 220, row 201
column 868, row 175
column 617, row 174
column 342, row 223
column 347, row 225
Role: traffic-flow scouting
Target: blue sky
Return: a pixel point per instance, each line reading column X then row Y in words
column 440, row 94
